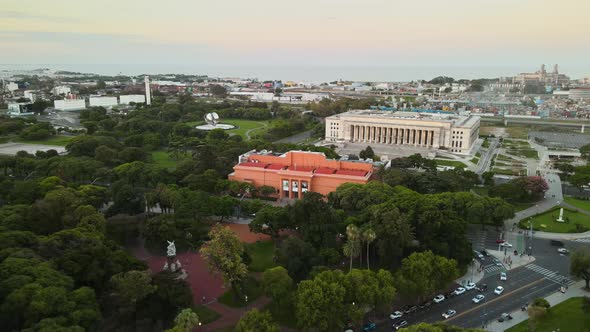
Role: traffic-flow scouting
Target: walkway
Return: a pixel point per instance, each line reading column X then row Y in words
column 576, row 290
column 251, row 130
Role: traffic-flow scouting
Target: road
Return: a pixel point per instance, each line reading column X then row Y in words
column 485, row 160
column 539, row 278
column 297, row 138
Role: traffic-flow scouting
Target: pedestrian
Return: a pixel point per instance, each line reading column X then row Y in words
column 203, row 299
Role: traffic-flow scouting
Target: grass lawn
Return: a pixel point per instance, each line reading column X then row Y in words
column 206, row 314
column 524, row 153
column 251, row 287
column 579, row 203
column 566, row 316
column 262, row 254
column 453, row 163
column 548, row 219
column 53, row 140
column 518, row 131
column 475, row 160
column 504, row 171
column 163, row 159
column 242, row 126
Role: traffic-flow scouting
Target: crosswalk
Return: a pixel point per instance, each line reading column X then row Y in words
column 583, row 240
column 550, row 275
column 493, row 268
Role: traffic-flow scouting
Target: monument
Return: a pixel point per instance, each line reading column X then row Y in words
column 172, row 263
column 560, row 219
column 212, row 120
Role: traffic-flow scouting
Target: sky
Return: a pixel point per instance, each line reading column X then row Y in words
column 361, row 33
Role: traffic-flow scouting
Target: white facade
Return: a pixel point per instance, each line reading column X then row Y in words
column 148, row 92
column 69, row 104
column 62, row 89
column 579, row 93
column 16, row 109
column 126, row 99
column 103, row 101
column 434, row 131
column 30, row 95
column 11, row 86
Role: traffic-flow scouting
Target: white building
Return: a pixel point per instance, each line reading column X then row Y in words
column 579, row 93
column 95, row 101
column 69, row 104
column 11, row 86
column 126, row 99
column 19, row 109
column 433, row 131
column 61, row 90
column 30, row 95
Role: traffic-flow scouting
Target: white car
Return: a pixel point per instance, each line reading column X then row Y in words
column 459, row 291
column 438, row 298
column 396, row 315
column 505, row 244
column 503, row 276
column 499, row 290
column 470, row 286
column 450, row 313
column 563, row 251
column 478, row 298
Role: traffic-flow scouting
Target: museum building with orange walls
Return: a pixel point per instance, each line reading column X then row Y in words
column 296, row 172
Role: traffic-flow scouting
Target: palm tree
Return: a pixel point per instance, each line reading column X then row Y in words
column 352, row 246
column 351, row 249
column 369, row 236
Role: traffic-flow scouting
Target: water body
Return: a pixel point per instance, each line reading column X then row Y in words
column 302, row 73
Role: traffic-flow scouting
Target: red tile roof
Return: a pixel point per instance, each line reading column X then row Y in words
column 351, row 172
column 301, row 169
column 251, row 164
column 325, row 170
column 275, row 166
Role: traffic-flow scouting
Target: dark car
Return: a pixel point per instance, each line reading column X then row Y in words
column 400, row 325
column 410, row 310
column 425, row 305
column 556, row 243
column 369, row 327
column 450, row 294
column 482, row 287
column 504, row 317
column 484, row 252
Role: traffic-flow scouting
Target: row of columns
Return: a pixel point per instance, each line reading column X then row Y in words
column 389, row 135
column 291, row 184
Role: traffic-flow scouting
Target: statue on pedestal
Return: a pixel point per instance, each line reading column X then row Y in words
column 171, row 250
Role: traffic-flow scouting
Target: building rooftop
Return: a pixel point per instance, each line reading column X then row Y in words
column 418, row 116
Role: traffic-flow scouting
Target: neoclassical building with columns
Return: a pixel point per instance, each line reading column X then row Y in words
column 449, row 132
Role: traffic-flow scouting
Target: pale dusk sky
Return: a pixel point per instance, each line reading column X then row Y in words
column 297, row 33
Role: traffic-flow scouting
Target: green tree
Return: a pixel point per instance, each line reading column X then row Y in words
column 257, row 321
column 319, row 302
column 367, row 153
column 422, row 274
column 270, row 220
column 131, row 287
column 185, row 321
column 277, row 284
column 580, row 265
column 368, row 236
column 223, row 254
column 352, row 247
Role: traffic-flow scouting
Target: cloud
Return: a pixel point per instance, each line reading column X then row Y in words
column 7, row 14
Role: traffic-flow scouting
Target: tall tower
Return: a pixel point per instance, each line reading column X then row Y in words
column 555, row 69
column 148, row 93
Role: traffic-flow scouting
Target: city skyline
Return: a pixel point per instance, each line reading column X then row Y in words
column 330, row 33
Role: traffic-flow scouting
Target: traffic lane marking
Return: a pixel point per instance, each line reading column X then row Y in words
column 497, row 299
column 474, row 321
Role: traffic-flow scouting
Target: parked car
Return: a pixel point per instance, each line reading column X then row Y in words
column 499, row 290
column 425, row 305
column 504, row 317
column 470, row 286
column 500, row 241
column 450, row 313
column 484, row 252
column 410, row 310
column 438, row 299
column 563, row 251
column 505, row 245
column 482, row 287
column 400, row 325
column 370, row 326
column 477, row 254
column 503, row 276
column 396, row 315
column 478, row 298
column 556, row 243
column 459, row 291
column 497, row 262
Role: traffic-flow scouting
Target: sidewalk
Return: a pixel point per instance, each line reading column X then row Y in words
column 517, row 260
column 472, row 274
column 518, row 316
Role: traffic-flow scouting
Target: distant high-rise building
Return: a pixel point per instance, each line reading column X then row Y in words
column 148, row 94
